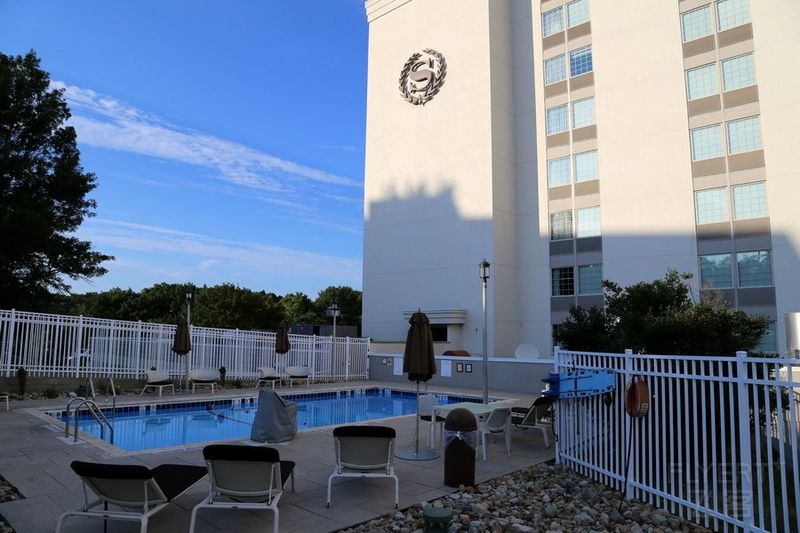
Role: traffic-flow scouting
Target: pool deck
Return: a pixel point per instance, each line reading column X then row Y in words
column 35, row 460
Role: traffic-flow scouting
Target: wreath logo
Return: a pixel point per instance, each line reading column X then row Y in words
column 422, row 76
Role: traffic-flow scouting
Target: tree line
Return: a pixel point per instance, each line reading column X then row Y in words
column 219, row 306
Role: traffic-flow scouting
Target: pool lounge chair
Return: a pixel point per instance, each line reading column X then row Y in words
column 244, row 477
column 298, row 373
column 364, row 451
column 139, row 491
column 537, row 416
column 267, row 376
column 204, row 378
column 158, row 380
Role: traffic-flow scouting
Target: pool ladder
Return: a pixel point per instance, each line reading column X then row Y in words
column 96, row 413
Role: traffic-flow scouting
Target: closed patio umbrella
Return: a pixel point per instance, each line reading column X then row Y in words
column 420, row 365
column 182, row 345
column 282, row 344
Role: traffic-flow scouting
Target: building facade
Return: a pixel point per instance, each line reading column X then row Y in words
column 571, row 141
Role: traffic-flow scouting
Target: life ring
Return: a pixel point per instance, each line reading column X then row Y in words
column 637, row 398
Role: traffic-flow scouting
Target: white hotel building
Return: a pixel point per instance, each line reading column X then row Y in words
column 571, row 141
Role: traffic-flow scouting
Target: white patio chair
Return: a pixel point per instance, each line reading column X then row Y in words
column 267, row 376
column 498, row 422
column 157, row 379
column 244, row 477
column 365, row 451
column 298, row 373
column 426, row 404
column 204, row 378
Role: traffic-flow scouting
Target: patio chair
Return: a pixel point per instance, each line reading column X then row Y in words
column 426, row 404
column 537, row 416
column 498, row 422
column 160, row 380
column 244, row 477
column 298, row 373
column 139, row 491
column 5, row 397
column 204, row 378
column 267, row 376
column 364, row 451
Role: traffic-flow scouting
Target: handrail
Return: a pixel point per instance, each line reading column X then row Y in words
column 98, row 415
column 66, row 421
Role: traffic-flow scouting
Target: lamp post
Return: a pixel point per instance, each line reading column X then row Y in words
column 188, row 308
column 334, row 311
column 188, row 325
column 483, row 269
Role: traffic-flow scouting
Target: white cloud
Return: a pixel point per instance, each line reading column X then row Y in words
column 108, row 123
column 210, row 253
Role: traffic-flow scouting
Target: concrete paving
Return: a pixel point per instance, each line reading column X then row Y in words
column 36, row 461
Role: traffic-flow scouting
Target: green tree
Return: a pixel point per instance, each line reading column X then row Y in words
column 43, row 189
column 299, row 309
column 660, row 317
column 229, row 306
column 348, row 300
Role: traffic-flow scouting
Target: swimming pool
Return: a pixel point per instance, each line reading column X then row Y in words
column 147, row 427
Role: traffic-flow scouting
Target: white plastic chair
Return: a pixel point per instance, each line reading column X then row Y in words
column 157, row 379
column 267, row 375
column 426, row 404
column 498, row 422
column 298, row 373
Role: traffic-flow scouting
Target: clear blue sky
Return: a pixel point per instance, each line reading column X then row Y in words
column 227, row 137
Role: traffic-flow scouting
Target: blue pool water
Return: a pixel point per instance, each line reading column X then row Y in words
column 159, row 426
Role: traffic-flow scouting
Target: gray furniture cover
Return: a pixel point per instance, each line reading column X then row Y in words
column 275, row 420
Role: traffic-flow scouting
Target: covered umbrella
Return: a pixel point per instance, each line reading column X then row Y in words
column 282, row 344
column 182, row 345
column 420, row 365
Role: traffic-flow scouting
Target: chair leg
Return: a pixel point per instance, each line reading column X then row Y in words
column 193, row 520
column 160, row 390
column 143, row 527
column 61, row 521
column 483, row 443
column 275, row 520
column 330, row 481
column 508, row 439
column 396, row 492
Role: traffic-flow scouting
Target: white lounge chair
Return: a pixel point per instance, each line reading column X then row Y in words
column 267, row 376
column 204, row 378
column 364, row 451
column 498, row 422
column 244, row 477
column 298, row 373
column 160, row 380
column 140, row 492
column 538, row 416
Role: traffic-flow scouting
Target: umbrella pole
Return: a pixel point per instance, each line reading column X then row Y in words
column 416, row 429
column 414, row 453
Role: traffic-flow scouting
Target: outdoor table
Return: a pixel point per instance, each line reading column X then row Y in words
column 480, row 410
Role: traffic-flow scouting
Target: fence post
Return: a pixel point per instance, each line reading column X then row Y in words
column 139, row 366
column 745, row 458
column 556, row 407
column 628, row 426
column 347, row 355
column 10, row 344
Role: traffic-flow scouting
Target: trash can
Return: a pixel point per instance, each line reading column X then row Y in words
column 461, row 439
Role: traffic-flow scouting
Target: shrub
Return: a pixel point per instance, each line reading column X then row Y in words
column 22, row 380
column 50, row 393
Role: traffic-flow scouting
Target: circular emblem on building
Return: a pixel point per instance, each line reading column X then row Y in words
column 422, row 76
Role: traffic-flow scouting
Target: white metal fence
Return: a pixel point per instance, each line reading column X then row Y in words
column 719, row 446
column 76, row 346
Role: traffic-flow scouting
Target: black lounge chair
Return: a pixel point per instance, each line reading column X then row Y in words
column 537, row 416
column 364, row 451
column 140, row 491
column 244, row 477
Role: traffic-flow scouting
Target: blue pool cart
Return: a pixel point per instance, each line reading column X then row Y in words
column 579, row 383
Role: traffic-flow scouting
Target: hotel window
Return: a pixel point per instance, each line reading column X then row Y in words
column 744, row 135
column 588, row 222
column 552, row 22
column 755, row 268
column 577, row 12
column 701, row 81
column 715, row 271
column 590, row 279
column 554, row 70
column 706, row 142
column 712, row 206
column 557, row 119
column 749, row 201
column 558, row 171
column 738, row 72
column 583, row 113
column 586, row 166
column 563, row 281
column 732, row 13
column 580, row 61
column 696, row 23
column 769, row 342
column 560, row 225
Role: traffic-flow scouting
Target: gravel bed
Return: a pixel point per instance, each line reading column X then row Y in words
column 543, row 498
column 7, row 493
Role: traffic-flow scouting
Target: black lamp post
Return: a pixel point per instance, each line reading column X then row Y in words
column 484, row 275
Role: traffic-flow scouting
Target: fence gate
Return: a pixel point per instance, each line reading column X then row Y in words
column 719, row 446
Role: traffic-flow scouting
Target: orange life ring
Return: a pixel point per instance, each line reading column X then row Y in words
column 637, row 398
